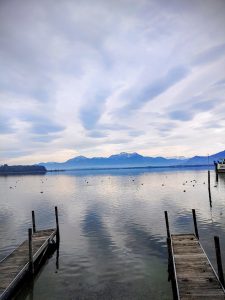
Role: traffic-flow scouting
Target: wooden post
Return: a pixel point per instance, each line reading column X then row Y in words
column 208, row 179
column 31, row 263
column 195, row 223
column 209, row 189
column 169, row 259
column 171, row 271
column 33, row 221
column 219, row 260
column 57, row 224
column 167, row 224
column 210, row 198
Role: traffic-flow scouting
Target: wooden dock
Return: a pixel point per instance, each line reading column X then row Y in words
column 193, row 275
column 23, row 259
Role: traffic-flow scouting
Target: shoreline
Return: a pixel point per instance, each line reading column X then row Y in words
column 130, row 168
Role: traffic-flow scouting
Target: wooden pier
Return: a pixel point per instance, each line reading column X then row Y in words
column 23, row 260
column 192, row 274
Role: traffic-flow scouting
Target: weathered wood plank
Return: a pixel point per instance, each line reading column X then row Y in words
column 194, row 275
column 17, row 263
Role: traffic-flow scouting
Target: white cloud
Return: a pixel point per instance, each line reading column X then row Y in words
column 93, row 79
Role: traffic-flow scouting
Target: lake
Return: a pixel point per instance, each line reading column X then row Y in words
column 112, row 227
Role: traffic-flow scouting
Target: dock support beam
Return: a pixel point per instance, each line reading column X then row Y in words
column 31, row 263
column 57, row 225
column 33, row 222
column 167, row 224
column 219, row 260
column 195, row 223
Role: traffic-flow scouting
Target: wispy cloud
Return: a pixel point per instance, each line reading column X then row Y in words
column 78, row 78
column 138, row 98
column 210, row 55
column 91, row 112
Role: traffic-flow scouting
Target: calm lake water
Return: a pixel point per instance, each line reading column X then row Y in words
column 113, row 236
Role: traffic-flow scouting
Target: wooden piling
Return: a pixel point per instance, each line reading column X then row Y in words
column 57, row 225
column 33, row 222
column 167, row 224
column 208, row 179
column 219, row 260
column 31, row 263
column 209, row 189
column 195, row 223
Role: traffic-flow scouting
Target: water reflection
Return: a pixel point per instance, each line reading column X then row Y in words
column 112, row 228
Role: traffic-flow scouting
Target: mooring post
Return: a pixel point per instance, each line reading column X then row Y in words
column 209, row 189
column 31, row 263
column 208, row 179
column 57, row 224
column 219, row 260
column 171, row 271
column 195, row 223
column 33, row 221
column 169, row 259
column 167, row 224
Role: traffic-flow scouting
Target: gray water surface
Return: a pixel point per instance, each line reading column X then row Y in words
column 113, row 237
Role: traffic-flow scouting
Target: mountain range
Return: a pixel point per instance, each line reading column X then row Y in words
column 131, row 160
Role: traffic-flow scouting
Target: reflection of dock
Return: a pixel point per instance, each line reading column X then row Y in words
column 26, row 258
column 192, row 274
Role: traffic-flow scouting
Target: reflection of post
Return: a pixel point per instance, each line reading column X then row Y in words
column 31, row 288
column 217, row 177
column 57, row 256
column 209, row 189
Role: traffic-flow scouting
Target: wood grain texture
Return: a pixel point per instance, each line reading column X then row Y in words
column 195, row 277
column 17, row 263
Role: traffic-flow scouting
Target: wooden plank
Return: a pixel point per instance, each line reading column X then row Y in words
column 194, row 275
column 16, row 264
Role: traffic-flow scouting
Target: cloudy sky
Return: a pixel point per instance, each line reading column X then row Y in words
column 100, row 77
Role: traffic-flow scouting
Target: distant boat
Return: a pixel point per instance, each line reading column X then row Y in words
column 220, row 166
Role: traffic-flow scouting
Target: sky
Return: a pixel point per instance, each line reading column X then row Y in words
column 96, row 78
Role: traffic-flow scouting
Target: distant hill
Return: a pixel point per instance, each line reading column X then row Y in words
column 203, row 160
column 129, row 160
column 33, row 169
column 114, row 161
